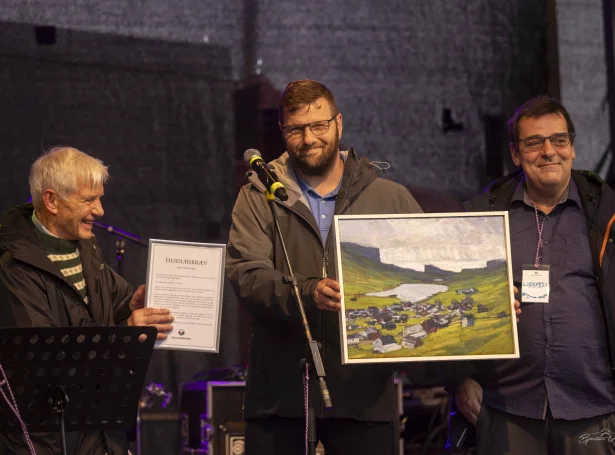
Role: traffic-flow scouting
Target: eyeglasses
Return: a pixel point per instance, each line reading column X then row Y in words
column 317, row 128
column 537, row 143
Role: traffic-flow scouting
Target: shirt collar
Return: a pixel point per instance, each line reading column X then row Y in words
column 40, row 226
column 571, row 194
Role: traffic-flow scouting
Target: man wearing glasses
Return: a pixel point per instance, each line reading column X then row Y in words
column 559, row 397
column 321, row 181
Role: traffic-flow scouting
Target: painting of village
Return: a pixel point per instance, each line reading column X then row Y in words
column 425, row 287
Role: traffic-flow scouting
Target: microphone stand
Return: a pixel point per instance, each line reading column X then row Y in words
column 314, row 349
column 120, row 242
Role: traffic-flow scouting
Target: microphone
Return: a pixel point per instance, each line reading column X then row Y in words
column 254, row 161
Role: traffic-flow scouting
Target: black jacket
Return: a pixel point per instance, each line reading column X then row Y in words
column 255, row 266
column 34, row 293
column 598, row 201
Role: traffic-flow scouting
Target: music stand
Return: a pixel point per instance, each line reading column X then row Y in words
column 74, row 378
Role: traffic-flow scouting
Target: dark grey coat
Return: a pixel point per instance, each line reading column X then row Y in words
column 34, row 293
column 255, row 267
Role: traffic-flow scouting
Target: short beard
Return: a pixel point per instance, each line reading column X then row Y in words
column 325, row 162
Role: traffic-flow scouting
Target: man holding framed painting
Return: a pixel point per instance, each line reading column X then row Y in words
column 559, row 396
column 320, row 181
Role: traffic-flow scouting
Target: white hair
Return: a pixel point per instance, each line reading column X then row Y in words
column 61, row 169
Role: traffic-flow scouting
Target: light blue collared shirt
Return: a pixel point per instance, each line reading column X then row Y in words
column 323, row 207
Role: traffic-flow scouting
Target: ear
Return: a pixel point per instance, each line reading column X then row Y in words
column 574, row 154
column 514, row 153
column 340, row 126
column 281, row 119
column 50, row 201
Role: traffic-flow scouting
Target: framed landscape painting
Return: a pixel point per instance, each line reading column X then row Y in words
column 425, row 287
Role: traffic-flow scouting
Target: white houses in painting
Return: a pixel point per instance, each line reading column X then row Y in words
column 415, row 331
column 385, row 343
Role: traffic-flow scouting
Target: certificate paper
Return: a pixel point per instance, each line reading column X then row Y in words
column 187, row 278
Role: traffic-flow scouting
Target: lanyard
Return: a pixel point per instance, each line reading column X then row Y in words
column 540, row 227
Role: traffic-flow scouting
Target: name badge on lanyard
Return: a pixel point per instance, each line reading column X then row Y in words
column 535, row 279
column 535, row 284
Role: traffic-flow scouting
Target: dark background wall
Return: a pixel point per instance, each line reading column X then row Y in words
column 151, row 87
column 159, row 114
column 583, row 77
column 396, row 67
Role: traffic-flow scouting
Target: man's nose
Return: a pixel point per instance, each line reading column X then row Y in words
column 548, row 150
column 97, row 209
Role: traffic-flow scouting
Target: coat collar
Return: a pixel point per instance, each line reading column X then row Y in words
column 18, row 237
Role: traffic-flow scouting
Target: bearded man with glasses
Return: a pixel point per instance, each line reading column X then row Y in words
column 559, row 396
column 321, row 181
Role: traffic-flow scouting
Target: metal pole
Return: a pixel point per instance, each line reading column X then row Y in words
column 609, row 56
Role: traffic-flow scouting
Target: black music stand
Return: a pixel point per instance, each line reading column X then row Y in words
column 74, row 378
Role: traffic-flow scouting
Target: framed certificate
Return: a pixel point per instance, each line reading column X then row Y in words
column 425, row 287
column 188, row 279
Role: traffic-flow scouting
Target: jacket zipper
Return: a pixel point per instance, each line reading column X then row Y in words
column 325, row 263
column 325, row 275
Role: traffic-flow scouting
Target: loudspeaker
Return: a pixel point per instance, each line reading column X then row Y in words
column 151, row 424
column 213, row 413
column 224, row 407
column 193, row 404
column 214, row 421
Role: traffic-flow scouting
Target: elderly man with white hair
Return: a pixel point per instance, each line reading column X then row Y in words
column 52, row 274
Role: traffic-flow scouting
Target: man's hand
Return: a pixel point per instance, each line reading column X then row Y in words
column 517, row 303
column 157, row 317
column 327, row 295
column 469, row 398
column 138, row 299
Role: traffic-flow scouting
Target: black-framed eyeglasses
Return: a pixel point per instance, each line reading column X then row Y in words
column 537, row 143
column 317, row 128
